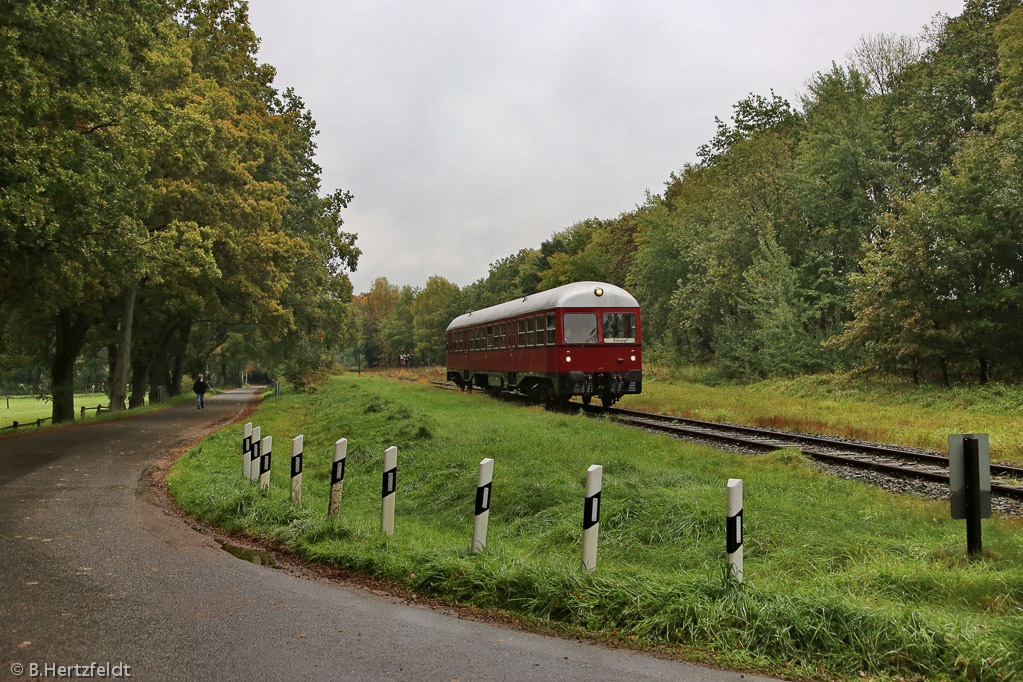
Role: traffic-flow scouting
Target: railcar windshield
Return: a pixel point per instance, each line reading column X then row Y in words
column 619, row 328
column 580, row 327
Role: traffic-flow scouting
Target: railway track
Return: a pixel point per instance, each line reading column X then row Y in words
column 1006, row 481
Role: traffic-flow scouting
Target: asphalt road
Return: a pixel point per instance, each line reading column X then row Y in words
column 94, row 569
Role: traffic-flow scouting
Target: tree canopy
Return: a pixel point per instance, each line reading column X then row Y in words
column 876, row 223
column 159, row 199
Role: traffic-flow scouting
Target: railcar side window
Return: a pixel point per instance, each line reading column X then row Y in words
column 490, row 336
column 539, row 330
column 522, row 333
column 580, row 327
column 551, row 340
column 530, row 334
column 619, row 328
column 504, row 335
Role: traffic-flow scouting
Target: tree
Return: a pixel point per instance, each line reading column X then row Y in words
column 375, row 308
column 73, row 129
column 434, row 308
column 882, row 58
column 769, row 335
column 841, row 182
column 943, row 282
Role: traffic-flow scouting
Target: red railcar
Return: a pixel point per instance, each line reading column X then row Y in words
column 579, row 339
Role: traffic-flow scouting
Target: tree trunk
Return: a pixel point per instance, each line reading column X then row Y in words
column 122, row 361
column 69, row 339
column 184, row 331
column 139, row 381
column 944, row 372
column 159, row 372
column 984, row 368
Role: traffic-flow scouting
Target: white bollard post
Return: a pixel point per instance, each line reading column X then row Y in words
column 734, row 521
column 591, row 516
column 389, row 486
column 296, row 468
column 337, row 476
column 481, row 517
column 257, row 445
column 264, row 463
column 246, row 446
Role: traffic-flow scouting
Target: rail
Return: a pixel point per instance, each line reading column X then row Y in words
column 885, row 459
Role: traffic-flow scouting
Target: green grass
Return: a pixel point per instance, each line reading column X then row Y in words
column 22, row 409
column 842, row 578
column 27, row 409
column 885, row 410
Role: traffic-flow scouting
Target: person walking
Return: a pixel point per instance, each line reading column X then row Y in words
column 200, row 387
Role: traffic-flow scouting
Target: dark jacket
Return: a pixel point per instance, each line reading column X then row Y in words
column 200, row 386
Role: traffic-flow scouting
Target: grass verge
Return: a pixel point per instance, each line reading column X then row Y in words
column 843, row 580
column 887, row 410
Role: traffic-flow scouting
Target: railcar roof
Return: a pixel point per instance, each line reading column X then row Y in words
column 575, row 295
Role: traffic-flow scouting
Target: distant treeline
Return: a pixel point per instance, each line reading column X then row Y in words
column 878, row 224
column 158, row 199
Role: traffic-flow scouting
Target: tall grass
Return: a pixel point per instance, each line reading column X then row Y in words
column 886, row 410
column 842, row 578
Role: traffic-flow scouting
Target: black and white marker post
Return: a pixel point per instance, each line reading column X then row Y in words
column 296, row 468
column 337, row 476
column 734, row 531
column 482, row 514
column 246, row 446
column 390, row 483
column 969, row 476
column 257, row 445
column 591, row 516
column 264, row 463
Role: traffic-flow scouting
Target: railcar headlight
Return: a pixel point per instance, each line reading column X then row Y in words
column 568, row 358
column 633, row 357
column 598, row 291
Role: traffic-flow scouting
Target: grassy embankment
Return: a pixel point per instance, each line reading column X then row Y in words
column 842, row 578
column 875, row 409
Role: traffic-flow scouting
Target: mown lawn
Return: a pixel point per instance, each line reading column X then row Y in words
column 24, row 409
column 27, row 409
column 843, row 580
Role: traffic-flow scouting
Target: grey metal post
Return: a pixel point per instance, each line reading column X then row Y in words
column 971, row 466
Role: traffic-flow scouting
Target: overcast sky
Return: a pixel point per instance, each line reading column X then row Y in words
column 468, row 130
